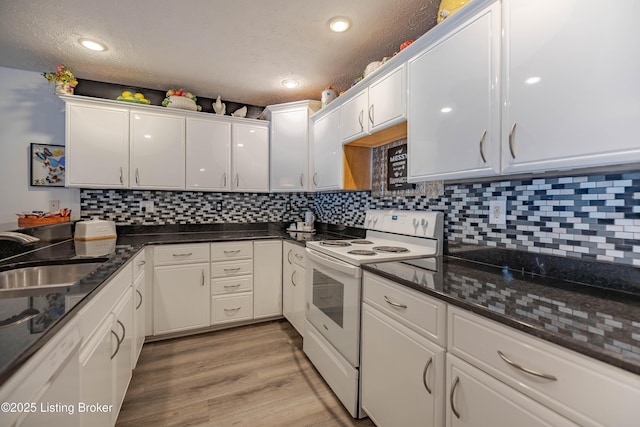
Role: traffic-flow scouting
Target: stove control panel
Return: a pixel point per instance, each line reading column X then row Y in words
column 411, row 223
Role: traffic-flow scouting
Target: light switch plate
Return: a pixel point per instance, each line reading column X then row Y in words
column 498, row 212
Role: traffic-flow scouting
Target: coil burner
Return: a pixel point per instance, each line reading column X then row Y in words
column 362, row 252
column 391, row 249
column 362, row 242
column 335, row 243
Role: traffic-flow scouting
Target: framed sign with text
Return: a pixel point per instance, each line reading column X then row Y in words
column 397, row 169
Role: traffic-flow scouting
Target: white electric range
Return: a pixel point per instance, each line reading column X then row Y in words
column 334, row 288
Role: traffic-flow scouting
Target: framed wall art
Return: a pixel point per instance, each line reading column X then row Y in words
column 47, row 164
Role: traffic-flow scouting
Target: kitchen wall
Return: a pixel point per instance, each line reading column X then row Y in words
column 581, row 216
column 29, row 112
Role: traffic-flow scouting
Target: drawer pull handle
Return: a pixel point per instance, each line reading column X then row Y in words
column 237, row 285
column 232, row 310
column 300, row 257
column 484, row 136
column 234, row 252
column 424, row 375
column 117, row 345
column 451, row 395
column 526, row 370
column 185, row 254
column 231, row 270
column 395, row 304
column 141, row 263
column 140, row 303
column 289, row 256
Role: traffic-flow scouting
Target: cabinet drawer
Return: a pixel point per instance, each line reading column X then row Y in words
column 232, row 308
column 231, row 250
column 295, row 254
column 180, row 254
column 227, row 286
column 232, row 268
column 581, row 388
column 423, row 314
column 139, row 263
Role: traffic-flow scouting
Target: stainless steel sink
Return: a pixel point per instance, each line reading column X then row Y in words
column 45, row 276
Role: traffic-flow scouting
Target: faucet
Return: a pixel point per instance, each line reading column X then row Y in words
column 23, row 239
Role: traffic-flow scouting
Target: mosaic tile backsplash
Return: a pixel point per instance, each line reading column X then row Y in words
column 595, row 217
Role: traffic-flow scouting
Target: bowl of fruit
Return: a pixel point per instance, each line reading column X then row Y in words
column 137, row 97
column 181, row 99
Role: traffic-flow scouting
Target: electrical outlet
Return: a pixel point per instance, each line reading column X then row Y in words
column 217, row 206
column 498, row 212
column 146, row 206
column 54, row 205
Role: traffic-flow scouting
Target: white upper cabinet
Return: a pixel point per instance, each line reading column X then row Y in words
column 290, row 145
column 97, row 146
column 354, row 123
column 250, row 157
column 327, row 152
column 570, row 85
column 157, row 151
column 208, row 155
column 454, row 102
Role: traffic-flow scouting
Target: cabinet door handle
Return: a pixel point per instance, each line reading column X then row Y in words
column 371, row 114
column 289, row 256
column 231, row 270
column 424, row 375
column 512, row 137
column 360, row 117
column 395, row 304
column 124, row 331
column 121, row 178
column 140, row 303
column 315, row 179
column 137, row 176
column 237, row 180
column 224, row 179
column 117, row 345
column 293, row 281
column 141, row 263
column 233, row 252
column 484, row 136
column 184, row 254
column 298, row 256
column 451, row 396
column 202, row 282
column 526, row 370
column 302, row 180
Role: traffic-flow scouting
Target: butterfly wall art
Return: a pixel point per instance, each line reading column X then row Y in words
column 47, row 165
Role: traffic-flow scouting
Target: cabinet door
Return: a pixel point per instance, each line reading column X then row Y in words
column 267, row 279
column 327, row 153
column 289, row 150
column 96, row 373
column 354, row 121
column 181, row 299
column 572, row 97
column 477, row 399
column 140, row 301
column 250, row 158
column 208, row 155
column 402, row 373
column 453, row 103
column 387, row 100
column 122, row 361
column 97, row 146
column 157, row 151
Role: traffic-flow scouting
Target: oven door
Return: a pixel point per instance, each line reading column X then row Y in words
column 333, row 302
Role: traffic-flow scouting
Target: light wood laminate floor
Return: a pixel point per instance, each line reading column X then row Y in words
column 254, row 375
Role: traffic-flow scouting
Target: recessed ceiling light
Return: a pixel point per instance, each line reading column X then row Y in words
column 339, row 24
column 93, row 45
column 290, row 83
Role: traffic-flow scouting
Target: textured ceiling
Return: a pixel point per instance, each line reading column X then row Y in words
column 239, row 49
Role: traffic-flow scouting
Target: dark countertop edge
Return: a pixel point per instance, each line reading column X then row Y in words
column 573, row 345
column 186, row 237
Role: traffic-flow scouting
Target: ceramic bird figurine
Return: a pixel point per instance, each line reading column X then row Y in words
column 219, row 107
column 240, row 112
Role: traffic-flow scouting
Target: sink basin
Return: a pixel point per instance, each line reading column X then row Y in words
column 45, row 276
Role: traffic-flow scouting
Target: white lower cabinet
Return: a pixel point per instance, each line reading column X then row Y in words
column 293, row 285
column 402, row 373
column 477, row 399
column 232, row 282
column 267, row 278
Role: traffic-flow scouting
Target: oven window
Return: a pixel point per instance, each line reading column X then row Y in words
column 328, row 296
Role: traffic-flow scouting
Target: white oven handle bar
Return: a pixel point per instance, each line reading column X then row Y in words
column 334, row 263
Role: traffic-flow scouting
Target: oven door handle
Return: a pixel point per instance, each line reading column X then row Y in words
column 334, row 263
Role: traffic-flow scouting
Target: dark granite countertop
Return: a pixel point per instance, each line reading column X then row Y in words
column 20, row 341
column 597, row 321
